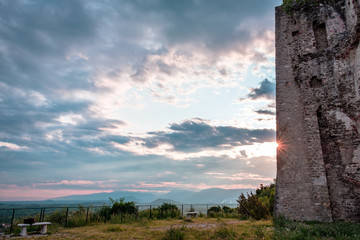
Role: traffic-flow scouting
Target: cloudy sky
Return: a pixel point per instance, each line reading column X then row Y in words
column 137, row 95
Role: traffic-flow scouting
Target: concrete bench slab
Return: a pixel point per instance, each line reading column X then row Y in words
column 24, row 226
column 43, row 225
column 191, row 214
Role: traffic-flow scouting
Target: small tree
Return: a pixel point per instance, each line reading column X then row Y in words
column 293, row 5
column 168, row 210
column 259, row 205
column 122, row 207
column 215, row 209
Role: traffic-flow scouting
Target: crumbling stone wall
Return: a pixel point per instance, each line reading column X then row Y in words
column 318, row 112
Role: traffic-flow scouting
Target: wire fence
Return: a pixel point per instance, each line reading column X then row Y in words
column 67, row 216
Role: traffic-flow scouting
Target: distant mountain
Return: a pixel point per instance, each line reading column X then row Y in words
column 179, row 195
column 137, row 197
column 216, row 195
column 161, row 201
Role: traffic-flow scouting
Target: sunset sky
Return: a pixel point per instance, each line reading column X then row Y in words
column 135, row 95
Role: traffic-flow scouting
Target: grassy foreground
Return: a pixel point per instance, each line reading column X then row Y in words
column 211, row 228
column 285, row 230
column 199, row 228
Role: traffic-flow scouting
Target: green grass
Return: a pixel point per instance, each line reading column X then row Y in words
column 210, row 229
column 288, row 230
column 175, row 233
column 169, row 229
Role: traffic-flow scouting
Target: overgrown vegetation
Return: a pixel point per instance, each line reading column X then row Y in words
column 175, row 233
column 294, row 5
column 259, row 205
column 119, row 211
column 166, row 222
column 224, row 232
column 288, row 230
column 222, row 212
column 172, row 229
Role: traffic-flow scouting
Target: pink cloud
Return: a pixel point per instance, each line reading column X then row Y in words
column 101, row 184
column 16, row 193
column 191, row 186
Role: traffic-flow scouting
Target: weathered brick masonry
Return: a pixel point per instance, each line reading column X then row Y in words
column 318, row 112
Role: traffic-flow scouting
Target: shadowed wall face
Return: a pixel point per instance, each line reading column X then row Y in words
column 318, row 112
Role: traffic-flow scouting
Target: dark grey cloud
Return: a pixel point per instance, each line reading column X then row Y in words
column 266, row 90
column 35, row 35
column 194, row 135
column 51, row 48
column 216, row 23
column 265, row 112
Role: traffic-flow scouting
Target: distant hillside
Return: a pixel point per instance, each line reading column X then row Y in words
column 161, row 201
column 179, row 195
column 137, row 197
column 212, row 195
column 217, row 195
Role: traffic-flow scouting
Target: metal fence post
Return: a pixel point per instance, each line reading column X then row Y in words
column 137, row 213
column 207, row 209
column 12, row 220
column 150, row 212
column 87, row 215
column 40, row 216
column 182, row 209
column 66, row 216
column 43, row 216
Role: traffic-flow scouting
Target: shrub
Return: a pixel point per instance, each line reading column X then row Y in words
column 215, row 209
column 175, row 234
column 57, row 217
column 114, row 229
column 122, row 207
column 120, row 211
column 225, row 211
column 105, row 213
column 166, row 210
column 259, row 205
column 224, row 233
column 293, row 5
column 286, row 229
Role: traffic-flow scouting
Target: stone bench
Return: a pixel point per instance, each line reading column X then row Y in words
column 191, row 214
column 24, row 226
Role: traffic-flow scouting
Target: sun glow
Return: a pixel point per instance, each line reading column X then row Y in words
column 263, row 149
column 280, row 145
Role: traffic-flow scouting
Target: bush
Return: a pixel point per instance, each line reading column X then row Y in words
column 114, row 229
column 166, row 210
column 122, row 207
column 120, row 211
column 285, row 229
column 224, row 212
column 75, row 218
column 224, row 233
column 57, row 217
column 259, row 205
column 215, row 209
column 105, row 213
column 294, row 5
column 175, row 234
column 228, row 210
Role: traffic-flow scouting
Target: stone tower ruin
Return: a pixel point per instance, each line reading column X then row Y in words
column 318, row 111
